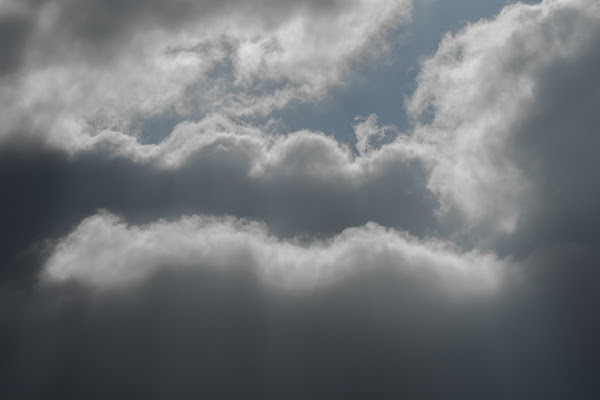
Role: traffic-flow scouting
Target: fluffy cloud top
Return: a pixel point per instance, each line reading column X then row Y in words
column 105, row 251
column 479, row 89
column 83, row 67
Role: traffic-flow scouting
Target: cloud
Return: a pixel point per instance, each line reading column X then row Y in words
column 104, row 250
column 479, row 89
column 191, row 330
column 234, row 262
column 471, row 101
column 83, row 67
column 302, row 184
column 483, row 137
column 368, row 133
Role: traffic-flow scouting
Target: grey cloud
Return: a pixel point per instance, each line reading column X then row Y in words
column 14, row 32
column 556, row 147
column 99, row 23
column 483, row 99
column 99, row 28
column 49, row 194
column 99, row 19
column 94, row 65
column 104, row 251
column 190, row 331
column 383, row 333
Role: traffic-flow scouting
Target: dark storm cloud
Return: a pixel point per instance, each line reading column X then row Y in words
column 385, row 333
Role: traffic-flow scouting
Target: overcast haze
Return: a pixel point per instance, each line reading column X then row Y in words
column 299, row 199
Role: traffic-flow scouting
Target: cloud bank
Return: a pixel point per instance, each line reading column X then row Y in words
column 227, row 258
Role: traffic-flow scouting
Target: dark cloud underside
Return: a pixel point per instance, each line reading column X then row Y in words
column 50, row 194
column 382, row 334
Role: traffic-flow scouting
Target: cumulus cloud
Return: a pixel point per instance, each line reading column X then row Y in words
column 479, row 89
column 88, row 66
column 303, row 153
column 104, row 250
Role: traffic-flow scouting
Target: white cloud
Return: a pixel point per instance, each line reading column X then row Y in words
column 314, row 50
column 279, row 52
column 368, row 133
column 105, row 251
column 304, row 153
column 478, row 88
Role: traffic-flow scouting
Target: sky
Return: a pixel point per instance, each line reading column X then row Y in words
column 300, row 199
